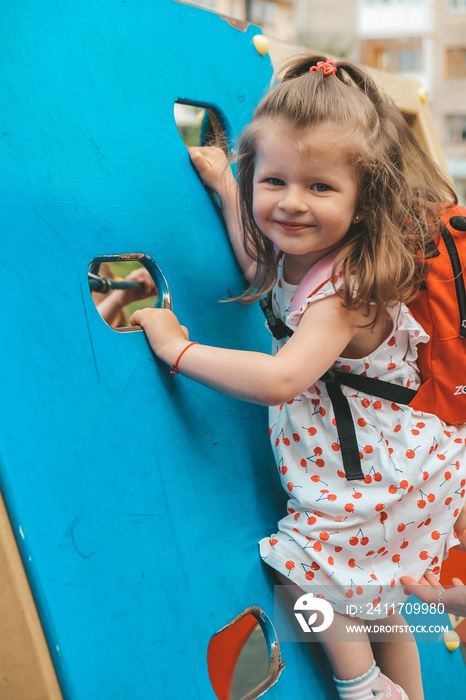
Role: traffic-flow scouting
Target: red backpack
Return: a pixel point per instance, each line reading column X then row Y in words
column 440, row 308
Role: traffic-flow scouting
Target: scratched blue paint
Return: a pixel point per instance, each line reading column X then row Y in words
column 141, row 496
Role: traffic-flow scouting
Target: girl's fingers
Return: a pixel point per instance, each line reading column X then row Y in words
column 134, row 320
column 409, row 581
column 424, row 589
column 457, row 582
column 197, row 158
column 210, row 163
column 432, row 580
column 144, row 276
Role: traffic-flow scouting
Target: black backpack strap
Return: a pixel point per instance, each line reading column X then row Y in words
column 276, row 326
column 345, row 425
column 333, row 378
column 375, row 387
column 345, row 428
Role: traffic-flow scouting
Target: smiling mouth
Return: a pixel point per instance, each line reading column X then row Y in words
column 288, row 226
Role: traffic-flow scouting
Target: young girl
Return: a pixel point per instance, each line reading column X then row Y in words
column 328, row 166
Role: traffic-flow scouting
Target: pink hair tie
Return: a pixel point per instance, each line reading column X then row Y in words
column 327, row 66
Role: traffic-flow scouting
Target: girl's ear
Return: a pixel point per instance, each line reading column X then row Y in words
column 357, row 218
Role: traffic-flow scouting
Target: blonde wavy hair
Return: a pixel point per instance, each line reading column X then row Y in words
column 401, row 189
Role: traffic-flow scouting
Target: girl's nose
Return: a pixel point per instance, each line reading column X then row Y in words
column 293, row 199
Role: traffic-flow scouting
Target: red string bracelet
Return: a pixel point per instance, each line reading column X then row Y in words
column 175, row 364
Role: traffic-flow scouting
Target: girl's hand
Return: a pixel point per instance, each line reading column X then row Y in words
column 140, row 275
column 165, row 335
column 429, row 587
column 213, row 168
column 112, row 305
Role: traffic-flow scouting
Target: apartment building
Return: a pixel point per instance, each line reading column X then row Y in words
column 279, row 18
column 328, row 26
column 448, row 99
column 422, row 39
column 426, row 40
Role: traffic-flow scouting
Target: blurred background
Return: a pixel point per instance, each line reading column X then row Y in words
column 421, row 39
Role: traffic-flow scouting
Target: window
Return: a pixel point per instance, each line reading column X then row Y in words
column 409, row 60
column 385, row 60
column 403, row 61
column 263, row 12
column 455, row 128
column 455, row 63
column 456, row 6
column 393, row 55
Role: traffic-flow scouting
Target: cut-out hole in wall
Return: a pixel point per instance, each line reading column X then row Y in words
column 244, row 657
column 121, row 284
column 252, row 667
column 200, row 125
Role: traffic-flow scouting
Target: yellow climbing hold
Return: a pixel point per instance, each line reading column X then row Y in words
column 261, row 43
column 451, row 639
column 422, row 94
column 459, row 625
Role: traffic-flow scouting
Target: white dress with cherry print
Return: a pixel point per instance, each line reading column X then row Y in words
column 354, row 539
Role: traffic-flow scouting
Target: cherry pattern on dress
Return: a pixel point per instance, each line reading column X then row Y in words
column 353, row 540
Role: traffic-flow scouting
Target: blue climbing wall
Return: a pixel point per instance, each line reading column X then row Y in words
column 136, row 497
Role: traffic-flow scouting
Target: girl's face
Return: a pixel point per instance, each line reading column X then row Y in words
column 305, row 192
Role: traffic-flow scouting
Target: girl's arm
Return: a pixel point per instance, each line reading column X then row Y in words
column 324, row 331
column 213, row 168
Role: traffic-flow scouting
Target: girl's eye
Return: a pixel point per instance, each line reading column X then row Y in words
column 320, row 187
column 275, row 181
